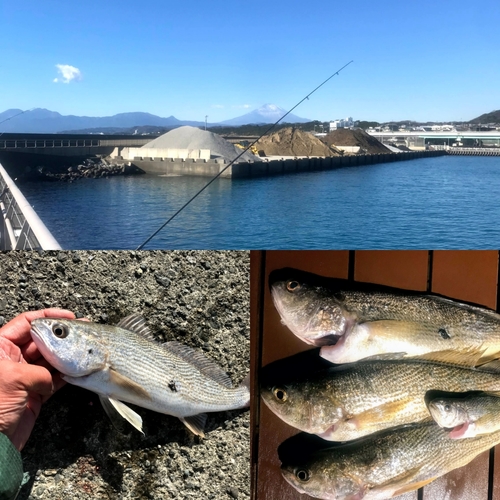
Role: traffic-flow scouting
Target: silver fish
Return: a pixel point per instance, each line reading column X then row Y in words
column 124, row 363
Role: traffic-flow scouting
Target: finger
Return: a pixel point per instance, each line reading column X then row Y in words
column 59, row 383
column 31, row 378
column 30, row 352
column 10, row 351
column 18, row 329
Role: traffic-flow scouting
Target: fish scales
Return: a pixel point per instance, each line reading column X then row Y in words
column 384, row 464
column 155, row 369
column 349, row 401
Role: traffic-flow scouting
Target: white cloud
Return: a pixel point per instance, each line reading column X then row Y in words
column 68, row 73
column 241, row 106
column 218, row 106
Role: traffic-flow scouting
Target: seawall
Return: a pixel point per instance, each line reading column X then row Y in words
column 244, row 170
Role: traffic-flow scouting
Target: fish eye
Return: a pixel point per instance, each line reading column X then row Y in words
column 280, row 394
column 60, row 331
column 293, row 286
column 447, row 407
column 302, row 475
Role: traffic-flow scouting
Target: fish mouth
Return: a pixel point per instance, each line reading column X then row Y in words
column 35, row 335
column 325, row 340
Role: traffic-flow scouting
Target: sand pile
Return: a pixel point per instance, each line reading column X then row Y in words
column 294, row 142
column 346, row 137
column 194, row 138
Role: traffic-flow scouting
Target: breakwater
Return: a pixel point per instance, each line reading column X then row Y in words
column 267, row 168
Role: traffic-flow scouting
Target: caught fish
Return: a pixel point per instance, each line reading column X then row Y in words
column 123, row 363
column 468, row 416
column 351, row 321
column 383, row 465
column 349, row 401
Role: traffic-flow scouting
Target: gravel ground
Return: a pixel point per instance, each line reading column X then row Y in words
column 199, row 298
column 194, row 138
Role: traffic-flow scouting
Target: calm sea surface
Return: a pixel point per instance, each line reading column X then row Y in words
column 445, row 202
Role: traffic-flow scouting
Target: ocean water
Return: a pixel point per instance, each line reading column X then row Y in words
column 444, row 202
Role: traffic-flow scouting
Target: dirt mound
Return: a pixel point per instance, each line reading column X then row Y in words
column 193, row 138
column 347, row 137
column 291, row 141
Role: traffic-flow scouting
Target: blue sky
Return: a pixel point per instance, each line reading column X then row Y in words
column 425, row 60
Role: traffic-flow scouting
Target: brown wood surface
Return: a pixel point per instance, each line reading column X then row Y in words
column 467, row 275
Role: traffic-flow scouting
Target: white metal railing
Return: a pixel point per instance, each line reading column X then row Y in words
column 20, row 226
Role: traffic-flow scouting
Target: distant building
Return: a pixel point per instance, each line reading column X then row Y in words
column 345, row 123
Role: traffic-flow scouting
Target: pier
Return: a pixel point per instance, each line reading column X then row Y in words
column 267, row 168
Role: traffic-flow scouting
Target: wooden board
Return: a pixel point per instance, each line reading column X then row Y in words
column 470, row 276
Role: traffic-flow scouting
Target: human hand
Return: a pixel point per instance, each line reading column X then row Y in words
column 26, row 380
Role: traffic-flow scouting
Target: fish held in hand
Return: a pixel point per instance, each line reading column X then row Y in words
column 351, row 321
column 346, row 402
column 124, row 363
column 383, row 465
column 467, row 416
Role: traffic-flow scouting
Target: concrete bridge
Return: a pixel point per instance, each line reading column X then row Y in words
column 419, row 140
column 68, row 144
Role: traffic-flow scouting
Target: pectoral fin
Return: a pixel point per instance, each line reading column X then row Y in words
column 113, row 408
column 128, row 385
column 403, row 483
column 380, row 415
column 413, row 486
column 195, row 423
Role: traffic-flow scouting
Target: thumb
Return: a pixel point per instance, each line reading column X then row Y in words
column 32, row 378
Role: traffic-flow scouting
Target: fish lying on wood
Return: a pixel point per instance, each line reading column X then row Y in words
column 467, row 416
column 124, row 363
column 351, row 321
column 350, row 401
column 383, row 465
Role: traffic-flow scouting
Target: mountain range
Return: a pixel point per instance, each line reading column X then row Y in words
column 40, row 120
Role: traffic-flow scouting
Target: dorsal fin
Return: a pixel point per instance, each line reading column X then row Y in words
column 206, row 366
column 137, row 324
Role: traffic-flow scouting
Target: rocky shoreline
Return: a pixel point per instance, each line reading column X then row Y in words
column 91, row 168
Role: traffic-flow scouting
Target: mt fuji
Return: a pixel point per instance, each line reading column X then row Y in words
column 269, row 113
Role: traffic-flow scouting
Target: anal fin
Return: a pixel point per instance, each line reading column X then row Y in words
column 195, row 423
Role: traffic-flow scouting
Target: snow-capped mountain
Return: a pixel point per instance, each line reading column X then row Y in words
column 269, row 113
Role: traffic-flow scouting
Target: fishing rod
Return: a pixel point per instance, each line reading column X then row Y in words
column 141, row 246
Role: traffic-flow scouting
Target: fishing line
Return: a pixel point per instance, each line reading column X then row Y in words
column 13, row 116
column 238, row 157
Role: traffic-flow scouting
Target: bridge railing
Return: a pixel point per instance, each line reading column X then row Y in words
column 20, row 226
